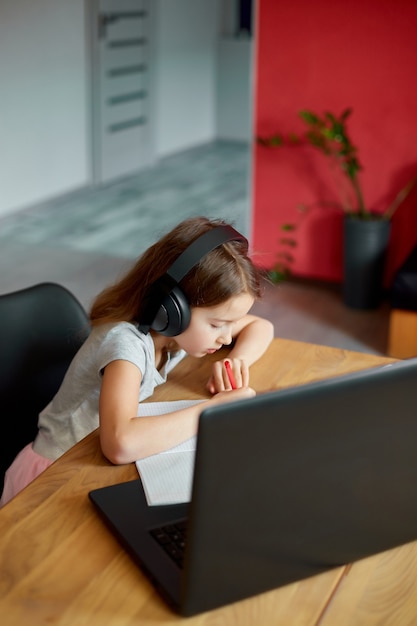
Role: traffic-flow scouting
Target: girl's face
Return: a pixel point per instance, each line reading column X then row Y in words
column 213, row 327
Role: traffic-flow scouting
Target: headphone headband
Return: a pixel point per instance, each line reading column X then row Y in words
column 167, row 310
column 201, row 246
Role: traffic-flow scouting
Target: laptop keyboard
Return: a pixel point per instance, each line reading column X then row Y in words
column 172, row 539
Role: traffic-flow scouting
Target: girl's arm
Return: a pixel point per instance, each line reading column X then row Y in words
column 252, row 336
column 125, row 438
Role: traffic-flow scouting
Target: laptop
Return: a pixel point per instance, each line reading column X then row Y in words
column 286, row 485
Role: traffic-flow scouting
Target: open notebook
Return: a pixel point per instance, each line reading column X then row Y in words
column 167, row 477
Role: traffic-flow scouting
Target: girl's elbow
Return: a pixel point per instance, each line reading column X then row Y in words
column 113, row 457
column 269, row 330
column 115, row 452
column 116, row 459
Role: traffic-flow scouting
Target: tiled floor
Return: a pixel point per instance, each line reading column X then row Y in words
column 86, row 240
column 122, row 219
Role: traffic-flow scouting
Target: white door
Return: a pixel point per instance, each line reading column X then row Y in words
column 122, row 137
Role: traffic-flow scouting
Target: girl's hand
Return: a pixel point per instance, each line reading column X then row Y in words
column 219, row 380
column 232, row 395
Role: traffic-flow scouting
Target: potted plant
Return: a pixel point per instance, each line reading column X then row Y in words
column 366, row 233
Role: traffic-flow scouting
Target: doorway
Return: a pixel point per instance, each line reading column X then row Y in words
column 122, row 92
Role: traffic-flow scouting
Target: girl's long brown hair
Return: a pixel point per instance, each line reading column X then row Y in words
column 224, row 272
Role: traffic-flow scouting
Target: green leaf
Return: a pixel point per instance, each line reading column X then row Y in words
column 346, row 114
column 309, row 117
column 293, row 138
column 286, row 257
column 276, row 140
column 286, row 241
column 278, row 275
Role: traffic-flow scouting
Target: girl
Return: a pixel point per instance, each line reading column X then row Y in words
column 189, row 293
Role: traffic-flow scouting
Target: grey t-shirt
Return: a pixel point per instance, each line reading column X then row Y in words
column 73, row 412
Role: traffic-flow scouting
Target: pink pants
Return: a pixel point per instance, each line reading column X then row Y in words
column 25, row 468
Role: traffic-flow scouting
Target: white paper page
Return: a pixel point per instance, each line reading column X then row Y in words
column 159, row 408
column 167, row 477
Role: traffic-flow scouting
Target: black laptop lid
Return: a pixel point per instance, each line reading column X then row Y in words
column 294, row 482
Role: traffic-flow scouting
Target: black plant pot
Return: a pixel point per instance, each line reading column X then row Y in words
column 365, row 246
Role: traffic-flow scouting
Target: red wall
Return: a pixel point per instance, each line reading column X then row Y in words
column 330, row 55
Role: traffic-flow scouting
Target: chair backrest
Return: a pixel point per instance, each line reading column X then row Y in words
column 41, row 329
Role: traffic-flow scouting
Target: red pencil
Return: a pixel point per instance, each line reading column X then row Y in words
column 230, row 375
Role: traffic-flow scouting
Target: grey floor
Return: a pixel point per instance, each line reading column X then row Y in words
column 87, row 239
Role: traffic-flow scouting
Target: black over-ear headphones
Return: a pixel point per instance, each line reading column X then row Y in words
column 166, row 309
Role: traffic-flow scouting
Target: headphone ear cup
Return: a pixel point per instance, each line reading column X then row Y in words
column 174, row 315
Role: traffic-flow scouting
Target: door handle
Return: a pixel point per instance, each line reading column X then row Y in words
column 103, row 20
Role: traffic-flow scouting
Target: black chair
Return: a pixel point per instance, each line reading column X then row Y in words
column 41, row 329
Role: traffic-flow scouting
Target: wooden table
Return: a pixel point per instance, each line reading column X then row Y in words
column 61, row 565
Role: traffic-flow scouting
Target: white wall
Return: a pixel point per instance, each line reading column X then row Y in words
column 186, row 58
column 43, row 101
column 234, row 89
column 45, row 105
column 202, row 78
